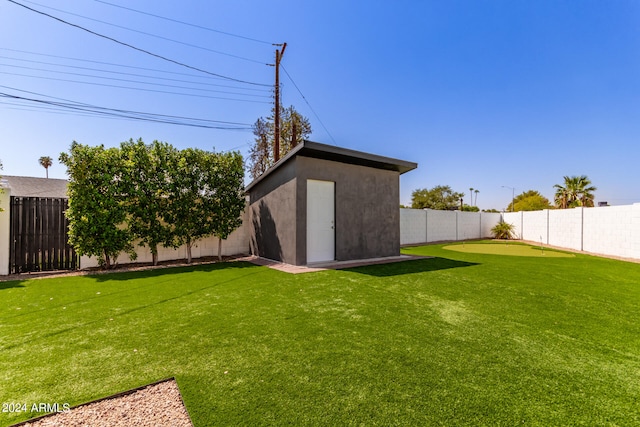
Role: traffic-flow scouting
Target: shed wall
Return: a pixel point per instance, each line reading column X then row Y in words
column 367, row 215
column 272, row 216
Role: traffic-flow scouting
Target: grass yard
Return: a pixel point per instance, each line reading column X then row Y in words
column 459, row 339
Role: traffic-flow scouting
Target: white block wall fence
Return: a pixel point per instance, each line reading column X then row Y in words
column 428, row 225
column 236, row 243
column 609, row 230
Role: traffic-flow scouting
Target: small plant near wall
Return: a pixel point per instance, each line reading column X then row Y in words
column 503, row 230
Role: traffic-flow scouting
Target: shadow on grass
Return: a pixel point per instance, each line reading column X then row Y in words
column 410, row 267
column 158, row 272
column 11, row 284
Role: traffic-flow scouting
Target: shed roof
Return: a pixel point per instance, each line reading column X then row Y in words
column 338, row 154
column 28, row 186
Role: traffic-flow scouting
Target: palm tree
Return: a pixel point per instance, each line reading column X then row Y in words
column 476, row 191
column 576, row 191
column 46, row 162
column 471, row 194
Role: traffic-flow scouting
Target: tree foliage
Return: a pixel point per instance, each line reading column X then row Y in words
column 292, row 124
column 576, row 191
column 97, row 204
column 440, row 197
column 146, row 177
column 152, row 194
column 530, row 200
column 46, row 163
column 205, row 196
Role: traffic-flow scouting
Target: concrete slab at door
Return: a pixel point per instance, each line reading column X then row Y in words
column 321, row 235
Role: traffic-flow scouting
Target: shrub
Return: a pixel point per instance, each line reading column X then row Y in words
column 503, row 230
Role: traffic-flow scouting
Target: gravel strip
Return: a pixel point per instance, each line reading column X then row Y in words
column 158, row 405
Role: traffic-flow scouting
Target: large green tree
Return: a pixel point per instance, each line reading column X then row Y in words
column 97, row 204
column 205, row 196
column 440, row 197
column 229, row 198
column 294, row 128
column 530, row 200
column 575, row 191
column 146, row 182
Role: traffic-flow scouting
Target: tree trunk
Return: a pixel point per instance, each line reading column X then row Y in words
column 154, row 254
column 188, row 251
column 219, row 249
column 107, row 260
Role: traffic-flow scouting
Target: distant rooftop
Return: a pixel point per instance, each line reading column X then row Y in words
column 28, row 186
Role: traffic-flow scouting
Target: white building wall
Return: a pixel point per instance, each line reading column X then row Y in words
column 5, row 230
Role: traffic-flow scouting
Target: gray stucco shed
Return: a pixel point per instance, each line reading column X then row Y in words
column 322, row 203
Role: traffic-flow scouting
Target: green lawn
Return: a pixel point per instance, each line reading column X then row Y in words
column 458, row 339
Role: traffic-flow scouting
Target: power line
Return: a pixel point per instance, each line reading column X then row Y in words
column 84, row 109
column 149, row 34
column 136, row 88
column 310, row 107
column 182, row 64
column 185, row 23
column 122, row 66
column 120, row 80
column 121, row 73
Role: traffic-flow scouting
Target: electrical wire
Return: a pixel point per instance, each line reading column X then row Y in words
column 148, row 34
column 182, row 64
column 184, row 23
column 309, row 105
column 120, row 73
column 85, row 108
column 120, row 80
column 123, row 66
column 136, row 88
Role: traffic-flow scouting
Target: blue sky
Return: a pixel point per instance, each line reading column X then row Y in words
column 480, row 94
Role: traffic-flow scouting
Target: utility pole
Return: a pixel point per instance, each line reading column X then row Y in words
column 276, row 115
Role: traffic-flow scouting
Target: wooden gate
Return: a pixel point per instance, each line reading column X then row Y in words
column 38, row 237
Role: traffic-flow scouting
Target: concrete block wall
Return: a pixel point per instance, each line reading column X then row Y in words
column 488, row 220
column 428, row 225
column 441, row 225
column 515, row 219
column 635, row 231
column 535, row 226
column 413, row 226
column 468, row 225
column 5, row 230
column 610, row 230
column 565, row 228
column 236, row 243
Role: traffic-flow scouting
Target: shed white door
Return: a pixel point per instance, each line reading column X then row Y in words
column 321, row 237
